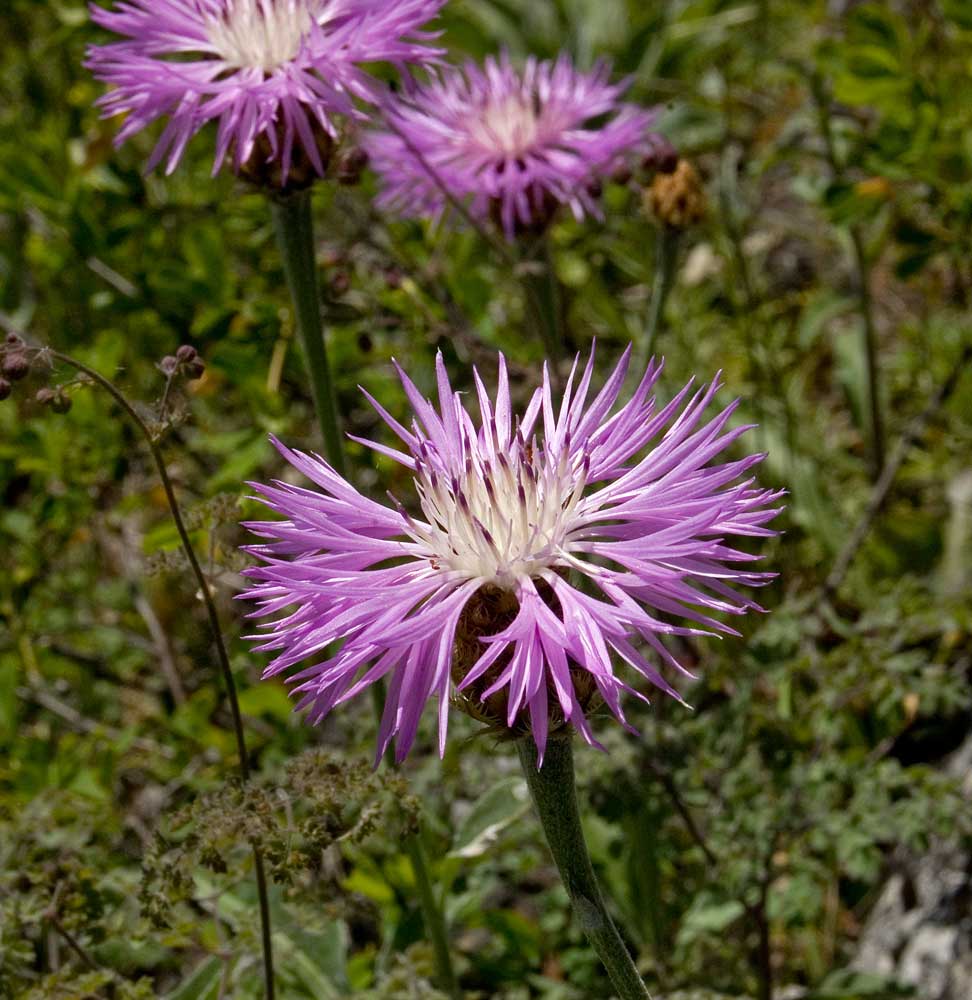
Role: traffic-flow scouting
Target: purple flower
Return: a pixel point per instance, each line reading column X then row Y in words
column 546, row 556
column 517, row 144
column 272, row 70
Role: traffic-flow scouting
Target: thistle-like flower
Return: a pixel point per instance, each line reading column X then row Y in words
column 546, row 557
column 515, row 145
column 273, row 73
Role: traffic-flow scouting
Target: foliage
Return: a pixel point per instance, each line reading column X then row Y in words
column 813, row 754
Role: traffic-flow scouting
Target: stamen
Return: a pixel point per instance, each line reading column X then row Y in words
column 261, row 34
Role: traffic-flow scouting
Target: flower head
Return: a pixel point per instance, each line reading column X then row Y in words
column 517, row 144
column 272, row 73
column 546, row 554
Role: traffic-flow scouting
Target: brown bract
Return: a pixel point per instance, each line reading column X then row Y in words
column 263, row 168
column 489, row 611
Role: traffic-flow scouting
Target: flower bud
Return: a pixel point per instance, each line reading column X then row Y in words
column 677, row 199
column 351, row 166
column 168, row 365
column 662, row 158
column 12, row 340
column 15, row 366
column 61, row 403
column 5, row 389
column 187, row 353
column 195, row 369
column 622, row 175
column 45, row 396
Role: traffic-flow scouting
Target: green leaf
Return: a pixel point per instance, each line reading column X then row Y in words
column 203, row 984
column 711, row 918
column 495, row 810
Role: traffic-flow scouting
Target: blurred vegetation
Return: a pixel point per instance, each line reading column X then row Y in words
column 741, row 843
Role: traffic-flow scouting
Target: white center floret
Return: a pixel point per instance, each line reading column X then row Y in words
column 509, row 126
column 506, row 517
column 261, row 34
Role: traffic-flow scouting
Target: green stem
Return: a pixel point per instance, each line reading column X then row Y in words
column 542, row 291
column 432, row 915
column 665, row 260
column 822, row 100
column 870, row 353
column 294, row 225
column 554, row 794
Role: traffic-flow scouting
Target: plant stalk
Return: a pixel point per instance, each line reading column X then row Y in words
column 666, row 258
column 432, row 916
column 543, row 299
column 870, row 354
column 293, row 222
column 217, row 634
column 554, row 795
column 294, row 225
column 821, row 98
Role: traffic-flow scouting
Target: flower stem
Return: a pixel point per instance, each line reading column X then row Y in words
column 870, row 353
column 432, row 915
column 294, row 225
column 222, row 654
column 542, row 291
column 554, row 795
column 665, row 260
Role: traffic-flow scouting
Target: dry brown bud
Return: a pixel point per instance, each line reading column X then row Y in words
column 678, row 199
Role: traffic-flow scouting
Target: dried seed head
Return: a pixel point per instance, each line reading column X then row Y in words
column 677, row 200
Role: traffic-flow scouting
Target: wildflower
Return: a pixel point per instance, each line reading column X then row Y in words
column 518, row 145
column 275, row 74
column 546, row 553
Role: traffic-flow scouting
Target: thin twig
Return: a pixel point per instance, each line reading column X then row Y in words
column 214, row 623
column 882, row 487
column 82, row 724
column 163, row 649
column 862, row 279
column 72, row 942
column 671, row 789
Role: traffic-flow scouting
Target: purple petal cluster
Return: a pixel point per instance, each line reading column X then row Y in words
column 515, row 145
column 279, row 69
column 624, row 498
